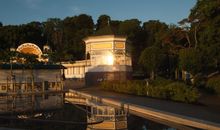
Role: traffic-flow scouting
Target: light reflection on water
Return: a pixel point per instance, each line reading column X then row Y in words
column 72, row 113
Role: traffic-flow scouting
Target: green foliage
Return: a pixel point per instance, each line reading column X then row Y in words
column 214, row 84
column 30, row 59
column 199, row 81
column 132, row 29
column 103, row 21
column 175, row 38
column 151, row 58
column 159, row 88
column 155, row 31
column 205, row 19
column 63, row 36
column 104, row 31
column 190, row 60
column 159, row 81
column 181, row 92
column 205, row 10
column 129, row 27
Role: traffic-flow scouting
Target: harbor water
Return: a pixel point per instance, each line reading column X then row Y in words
column 70, row 117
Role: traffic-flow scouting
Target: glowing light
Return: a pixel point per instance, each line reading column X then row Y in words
column 109, row 59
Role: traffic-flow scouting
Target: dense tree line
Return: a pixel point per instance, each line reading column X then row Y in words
column 193, row 46
column 155, row 47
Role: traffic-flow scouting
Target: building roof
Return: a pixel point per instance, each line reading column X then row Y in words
column 104, row 38
column 29, row 48
column 35, row 66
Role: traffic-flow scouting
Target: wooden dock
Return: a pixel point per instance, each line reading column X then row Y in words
column 178, row 121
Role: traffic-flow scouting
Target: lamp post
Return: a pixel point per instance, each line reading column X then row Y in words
column 12, row 77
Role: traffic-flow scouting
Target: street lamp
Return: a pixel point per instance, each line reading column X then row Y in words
column 12, row 77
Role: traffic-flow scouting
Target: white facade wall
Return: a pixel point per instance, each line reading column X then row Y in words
column 73, row 71
column 101, row 50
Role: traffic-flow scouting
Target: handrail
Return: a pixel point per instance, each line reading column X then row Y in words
column 146, row 112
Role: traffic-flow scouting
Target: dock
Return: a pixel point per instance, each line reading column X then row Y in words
column 177, row 120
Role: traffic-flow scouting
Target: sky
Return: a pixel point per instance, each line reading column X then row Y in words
column 17, row 12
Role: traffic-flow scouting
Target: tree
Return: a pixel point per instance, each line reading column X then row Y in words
column 84, row 21
column 154, row 30
column 131, row 28
column 159, row 34
column 205, row 10
column 115, row 26
column 31, row 32
column 75, row 29
column 30, row 59
column 103, row 21
column 175, row 39
column 185, row 25
column 9, row 36
column 151, row 58
column 191, row 60
column 205, row 19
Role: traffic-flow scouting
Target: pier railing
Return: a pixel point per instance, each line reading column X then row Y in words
column 179, row 121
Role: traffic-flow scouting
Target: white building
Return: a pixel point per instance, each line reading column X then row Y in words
column 31, row 48
column 25, row 87
column 106, row 59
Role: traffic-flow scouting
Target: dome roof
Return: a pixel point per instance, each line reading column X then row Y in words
column 29, row 48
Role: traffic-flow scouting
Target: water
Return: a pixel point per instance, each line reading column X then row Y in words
column 138, row 123
column 74, row 114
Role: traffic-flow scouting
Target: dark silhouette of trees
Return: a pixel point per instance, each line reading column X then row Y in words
column 102, row 22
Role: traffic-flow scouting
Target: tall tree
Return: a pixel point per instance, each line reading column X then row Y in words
column 205, row 19
column 75, row 29
column 154, row 30
column 151, row 59
column 131, row 28
column 175, row 39
column 103, row 21
column 190, row 60
column 31, row 32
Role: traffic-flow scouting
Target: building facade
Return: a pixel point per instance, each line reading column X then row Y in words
column 31, row 48
column 29, row 87
column 106, row 58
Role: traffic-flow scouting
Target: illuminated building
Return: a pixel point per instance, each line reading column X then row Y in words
column 31, row 48
column 30, row 86
column 106, row 58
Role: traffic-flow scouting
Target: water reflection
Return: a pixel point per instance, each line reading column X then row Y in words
column 73, row 114
column 138, row 123
column 67, row 113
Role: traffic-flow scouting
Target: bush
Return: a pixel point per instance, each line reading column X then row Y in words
column 164, row 89
column 159, row 81
column 214, row 84
column 199, row 81
column 181, row 92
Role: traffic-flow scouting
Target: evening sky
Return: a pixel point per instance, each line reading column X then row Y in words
column 24, row 11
